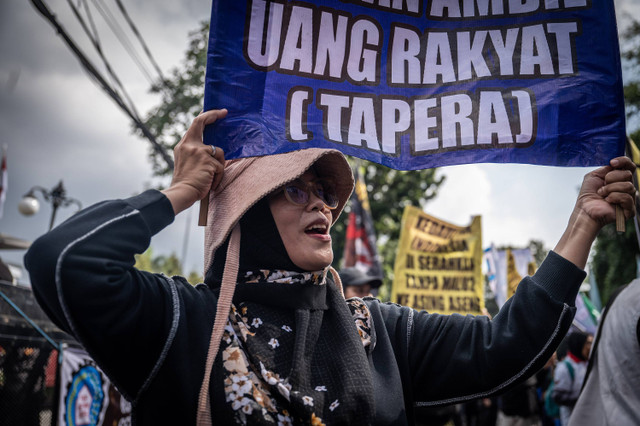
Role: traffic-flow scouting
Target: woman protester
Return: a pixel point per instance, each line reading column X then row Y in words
column 570, row 372
column 268, row 337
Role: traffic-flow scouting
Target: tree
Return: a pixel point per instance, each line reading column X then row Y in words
column 630, row 47
column 181, row 98
column 614, row 260
column 168, row 265
column 389, row 190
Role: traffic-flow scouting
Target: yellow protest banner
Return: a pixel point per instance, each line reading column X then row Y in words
column 519, row 263
column 513, row 276
column 634, row 153
column 439, row 265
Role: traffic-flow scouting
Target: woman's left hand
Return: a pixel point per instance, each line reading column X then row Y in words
column 607, row 187
column 602, row 190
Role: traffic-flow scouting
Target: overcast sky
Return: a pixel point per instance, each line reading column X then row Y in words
column 58, row 125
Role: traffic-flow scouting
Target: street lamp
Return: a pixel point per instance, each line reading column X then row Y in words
column 29, row 204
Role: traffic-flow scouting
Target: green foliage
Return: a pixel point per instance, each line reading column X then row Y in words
column 632, row 97
column 389, row 191
column 614, row 260
column 630, row 47
column 168, row 265
column 195, row 278
column 144, row 261
column 181, row 98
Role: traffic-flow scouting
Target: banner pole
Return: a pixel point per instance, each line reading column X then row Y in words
column 620, row 222
column 631, row 151
column 204, row 209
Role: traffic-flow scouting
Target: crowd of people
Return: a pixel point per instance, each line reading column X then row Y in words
column 269, row 337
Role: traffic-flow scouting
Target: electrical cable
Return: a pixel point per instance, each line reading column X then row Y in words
column 122, row 37
column 141, row 40
column 95, row 74
column 90, row 19
column 98, row 47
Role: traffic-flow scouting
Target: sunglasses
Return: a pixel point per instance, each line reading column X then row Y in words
column 299, row 192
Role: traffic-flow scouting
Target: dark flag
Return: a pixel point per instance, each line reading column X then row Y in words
column 360, row 246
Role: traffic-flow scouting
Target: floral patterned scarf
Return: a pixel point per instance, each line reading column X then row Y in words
column 293, row 352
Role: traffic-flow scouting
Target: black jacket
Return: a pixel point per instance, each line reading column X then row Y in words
column 150, row 333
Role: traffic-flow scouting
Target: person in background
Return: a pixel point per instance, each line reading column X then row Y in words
column 358, row 284
column 544, row 377
column 570, row 372
column 519, row 405
column 611, row 391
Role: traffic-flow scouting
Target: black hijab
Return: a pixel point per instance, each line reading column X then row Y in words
column 575, row 343
column 324, row 347
column 261, row 246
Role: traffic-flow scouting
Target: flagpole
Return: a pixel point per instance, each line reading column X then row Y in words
column 620, row 221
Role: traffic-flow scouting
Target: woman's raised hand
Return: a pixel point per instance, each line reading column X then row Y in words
column 607, row 187
column 198, row 167
column 602, row 190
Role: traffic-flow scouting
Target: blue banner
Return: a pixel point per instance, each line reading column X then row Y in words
column 416, row 84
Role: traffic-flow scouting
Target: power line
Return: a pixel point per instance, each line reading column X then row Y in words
column 141, row 40
column 93, row 72
column 92, row 34
column 121, row 36
column 91, row 21
column 126, row 43
column 98, row 47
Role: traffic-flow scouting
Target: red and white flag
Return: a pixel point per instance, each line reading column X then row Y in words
column 3, row 179
column 360, row 247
